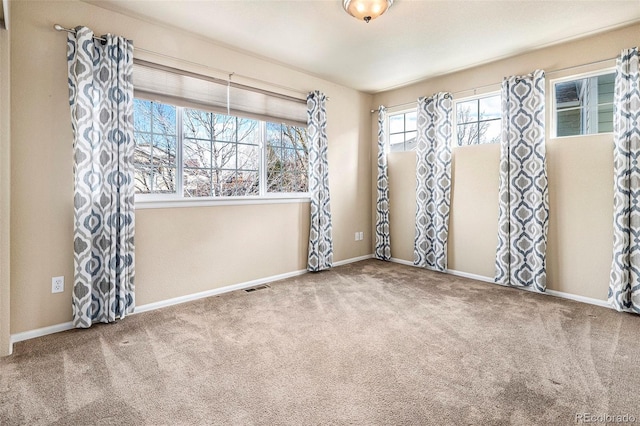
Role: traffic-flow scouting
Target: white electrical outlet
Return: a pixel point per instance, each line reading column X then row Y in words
column 57, row 284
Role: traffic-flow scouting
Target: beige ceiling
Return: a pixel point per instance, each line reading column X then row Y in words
column 414, row 40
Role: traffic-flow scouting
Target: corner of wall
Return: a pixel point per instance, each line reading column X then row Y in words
column 5, row 190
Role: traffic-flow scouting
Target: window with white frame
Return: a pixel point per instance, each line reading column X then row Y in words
column 221, row 155
column 478, row 120
column 402, row 130
column 583, row 105
column 201, row 138
column 191, row 153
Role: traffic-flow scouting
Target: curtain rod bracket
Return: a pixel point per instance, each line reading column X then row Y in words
column 59, row 27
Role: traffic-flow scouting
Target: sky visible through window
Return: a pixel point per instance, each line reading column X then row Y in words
column 402, row 131
column 478, row 121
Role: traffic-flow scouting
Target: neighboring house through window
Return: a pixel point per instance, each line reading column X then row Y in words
column 583, row 105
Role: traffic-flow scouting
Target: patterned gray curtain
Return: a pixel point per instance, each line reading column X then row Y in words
column 101, row 100
column 383, row 242
column 624, row 287
column 523, row 215
column 433, row 171
column 320, row 240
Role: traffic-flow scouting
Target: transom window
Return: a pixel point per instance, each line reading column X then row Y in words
column 478, row 120
column 189, row 153
column 584, row 106
column 402, row 131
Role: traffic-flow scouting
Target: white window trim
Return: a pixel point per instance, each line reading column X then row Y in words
column 454, row 130
column 552, row 110
column 177, row 199
column 395, row 111
column 220, row 201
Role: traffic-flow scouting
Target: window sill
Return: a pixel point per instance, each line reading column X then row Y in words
column 211, row 202
column 587, row 135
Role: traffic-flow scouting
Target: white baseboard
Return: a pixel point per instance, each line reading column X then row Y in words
column 472, row 276
column 578, row 298
column 353, row 259
column 548, row 292
column 39, row 332
column 401, row 261
column 216, row 291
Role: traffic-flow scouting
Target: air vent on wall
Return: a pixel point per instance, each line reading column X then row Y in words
column 262, row 287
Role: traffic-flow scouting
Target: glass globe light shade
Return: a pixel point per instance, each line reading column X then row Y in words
column 366, row 10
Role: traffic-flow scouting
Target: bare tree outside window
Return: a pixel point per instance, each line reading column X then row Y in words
column 221, row 155
column 479, row 121
column 155, row 147
column 287, row 158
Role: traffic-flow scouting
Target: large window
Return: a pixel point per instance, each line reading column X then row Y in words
column 402, row 131
column 584, row 106
column 478, row 120
column 189, row 153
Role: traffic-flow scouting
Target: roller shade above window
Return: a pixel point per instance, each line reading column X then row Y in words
column 164, row 84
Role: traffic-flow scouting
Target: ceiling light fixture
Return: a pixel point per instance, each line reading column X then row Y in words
column 366, row 10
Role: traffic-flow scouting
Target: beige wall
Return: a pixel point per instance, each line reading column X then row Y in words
column 580, row 172
column 5, row 188
column 180, row 251
column 235, row 247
